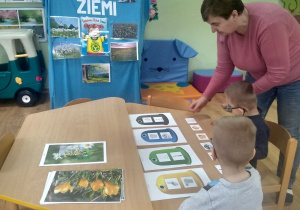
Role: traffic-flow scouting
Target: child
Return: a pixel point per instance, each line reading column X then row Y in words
column 241, row 100
column 233, row 140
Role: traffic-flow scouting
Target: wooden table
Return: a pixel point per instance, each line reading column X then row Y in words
column 22, row 179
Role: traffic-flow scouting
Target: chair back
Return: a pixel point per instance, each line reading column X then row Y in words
column 6, row 143
column 287, row 145
column 280, row 137
column 78, row 101
column 170, row 102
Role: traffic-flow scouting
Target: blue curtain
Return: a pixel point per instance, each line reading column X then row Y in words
column 65, row 75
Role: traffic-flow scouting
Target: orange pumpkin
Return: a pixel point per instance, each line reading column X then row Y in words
column 83, row 183
column 97, row 184
column 63, row 188
column 110, row 188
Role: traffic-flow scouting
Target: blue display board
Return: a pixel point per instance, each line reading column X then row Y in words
column 73, row 65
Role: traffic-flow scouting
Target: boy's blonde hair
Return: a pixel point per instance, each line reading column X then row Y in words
column 241, row 94
column 234, row 140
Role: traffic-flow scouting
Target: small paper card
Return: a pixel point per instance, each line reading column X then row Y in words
column 202, row 136
column 196, row 127
column 207, row 145
column 190, row 120
column 210, row 155
column 219, row 168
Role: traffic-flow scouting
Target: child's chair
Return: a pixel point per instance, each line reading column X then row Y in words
column 286, row 145
column 6, row 142
column 78, row 101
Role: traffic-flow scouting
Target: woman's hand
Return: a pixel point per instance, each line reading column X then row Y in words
column 197, row 105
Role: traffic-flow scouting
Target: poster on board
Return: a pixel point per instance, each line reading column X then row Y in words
column 94, row 36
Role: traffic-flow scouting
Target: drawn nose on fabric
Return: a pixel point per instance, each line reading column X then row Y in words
column 159, row 69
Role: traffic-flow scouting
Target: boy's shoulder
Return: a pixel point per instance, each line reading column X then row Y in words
column 214, row 183
column 209, row 196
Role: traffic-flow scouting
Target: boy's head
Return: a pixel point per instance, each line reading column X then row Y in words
column 241, row 97
column 233, row 139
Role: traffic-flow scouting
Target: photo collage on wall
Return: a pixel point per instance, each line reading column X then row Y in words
column 24, row 18
column 93, row 36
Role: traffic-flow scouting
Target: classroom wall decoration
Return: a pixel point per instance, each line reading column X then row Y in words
column 124, row 31
column 66, row 50
column 293, row 6
column 24, row 18
column 95, row 73
column 64, row 26
column 20, row 1
column 125, row 51
column 110, row 36
column 94, row 36
column 153, row 11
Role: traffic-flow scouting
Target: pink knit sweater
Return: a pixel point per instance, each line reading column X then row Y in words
column 269, row 51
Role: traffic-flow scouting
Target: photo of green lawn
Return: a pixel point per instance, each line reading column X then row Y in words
column 124, row 51
column 96, row 73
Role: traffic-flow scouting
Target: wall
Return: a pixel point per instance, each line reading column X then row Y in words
column 178, row 19
column 182, row 20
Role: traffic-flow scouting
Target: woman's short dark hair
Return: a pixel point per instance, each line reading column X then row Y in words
column 220, row 8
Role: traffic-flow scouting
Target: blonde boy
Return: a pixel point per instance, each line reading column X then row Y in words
column 240, row 187
column 241, row 100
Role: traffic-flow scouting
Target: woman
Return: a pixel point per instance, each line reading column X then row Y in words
column 264, row 40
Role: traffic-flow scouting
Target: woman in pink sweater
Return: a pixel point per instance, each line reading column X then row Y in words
column 264, row 40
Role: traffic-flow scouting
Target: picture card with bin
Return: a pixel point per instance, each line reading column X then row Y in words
column 151, row 120
column 98, row 186
column 156, row 136
column 164, row 185
column 168, row 157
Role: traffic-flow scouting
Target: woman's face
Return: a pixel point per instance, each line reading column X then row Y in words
column 221, row 25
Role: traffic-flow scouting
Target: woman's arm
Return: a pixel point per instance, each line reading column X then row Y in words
column 274, row 46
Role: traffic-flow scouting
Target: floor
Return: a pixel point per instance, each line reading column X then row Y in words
column 12, row 117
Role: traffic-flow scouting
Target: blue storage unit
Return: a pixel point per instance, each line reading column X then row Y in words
column 201, row 79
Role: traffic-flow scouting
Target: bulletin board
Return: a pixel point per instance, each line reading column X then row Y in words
column 95, row 48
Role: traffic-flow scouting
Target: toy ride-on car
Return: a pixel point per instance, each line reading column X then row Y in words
column 22, row 67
